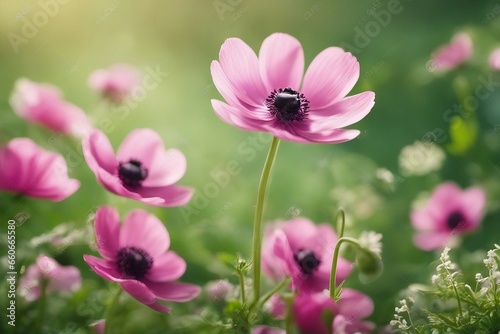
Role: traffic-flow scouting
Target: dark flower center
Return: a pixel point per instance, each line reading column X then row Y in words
column 455, row 219
column 307, row 260
column 287, row 105
column 134, row 262
column 132, row 173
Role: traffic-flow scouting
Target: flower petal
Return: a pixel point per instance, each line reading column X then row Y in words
column 167, row 267
column 284, row 253
column 432, row 240
column 167, row 196
column 142, row 145
column 281, row 62
column 107, row 232
column 103, row 268
column 343, row 113
column 241, row 67
column 236, row 117
column 473, row 202
column 174, row 291
column 331, row 137
column 140, row 291
column 98, row 152
column 143, row 230
column 331, row 75
column 300, row 233
column 166, row 168
column 355, row 305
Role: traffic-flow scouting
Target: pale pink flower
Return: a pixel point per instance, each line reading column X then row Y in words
column 136, row 256
column 304, row 251
column 115, row 83
column 28, row 169
column 267, row 330
column 98, row 326
column 276, row 306
column 348, row 313
column 219, row 290
column 448, row 213
column 270, row 93
column 43, row 104
column 141, row 170
column 453, row 54
column 47, row 271
column 495, row 59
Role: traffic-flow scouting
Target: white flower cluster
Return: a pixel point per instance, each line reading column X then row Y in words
column 399, row 320
column 371, row 241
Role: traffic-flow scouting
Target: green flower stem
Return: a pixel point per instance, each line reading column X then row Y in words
column 259, row 212
column 333, row 274
column 271, row 292
column 42, row 300
column 289, row 324
column 340, row 223
column 242, row 287
column 109, row 311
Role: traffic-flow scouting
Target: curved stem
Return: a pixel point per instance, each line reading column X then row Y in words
column 259, row 212
column 109, row 311
column 340, row 223
column 333, row 273
column 271, row 292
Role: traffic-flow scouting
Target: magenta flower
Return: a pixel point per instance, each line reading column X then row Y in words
column 28, row 169
column 136, row 257
column 264, row 93
column 44, row 104
column 303, row 251
column 115, row 83
column 495, row 59
column 347, row 313
column 47, row 271
column 453, row 54
column 142, row 169
column 449, row 212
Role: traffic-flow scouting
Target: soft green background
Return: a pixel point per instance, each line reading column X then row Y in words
column 181, row 38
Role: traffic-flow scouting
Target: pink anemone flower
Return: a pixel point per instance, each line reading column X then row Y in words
column 141, row 170
column 136, row 257
column 495, row 59
column 47, row 271
column 28, row 169
column 44, row 104
column 347, row 314
column 265, row 93
column 115, row 83
column 451, row 55
column 304, row 251
column 448, row 213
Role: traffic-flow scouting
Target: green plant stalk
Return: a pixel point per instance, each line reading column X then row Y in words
column 289, row 325
column 340, row 223
column 271, row 292
column 242, row 287
column 333, row 273
column 259, row 212
column 109, row 311
column 42, row 300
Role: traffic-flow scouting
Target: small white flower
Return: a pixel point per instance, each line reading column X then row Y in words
column 420, row 158
column 371, row 241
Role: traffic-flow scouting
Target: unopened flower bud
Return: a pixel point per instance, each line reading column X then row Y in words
column 370, row 265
